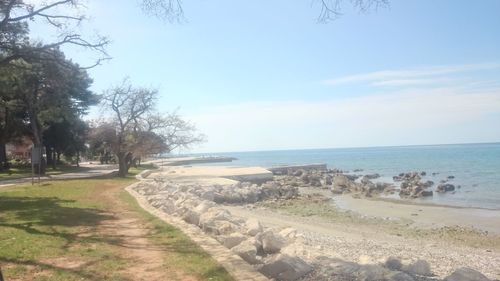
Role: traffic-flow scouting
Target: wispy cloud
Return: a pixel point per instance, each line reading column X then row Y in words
column 409, row 117
column 411, row 77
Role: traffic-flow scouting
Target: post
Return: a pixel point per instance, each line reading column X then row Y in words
column 36, row 159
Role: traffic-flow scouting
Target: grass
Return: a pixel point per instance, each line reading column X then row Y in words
column 24, row 172
column 43, row 227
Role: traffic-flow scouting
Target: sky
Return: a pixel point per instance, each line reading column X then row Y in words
column 265, row 75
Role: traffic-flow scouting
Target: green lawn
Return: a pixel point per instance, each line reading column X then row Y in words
column 24, row 172
column 44, row 226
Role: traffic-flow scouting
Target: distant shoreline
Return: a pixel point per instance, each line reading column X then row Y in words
column 342, row 147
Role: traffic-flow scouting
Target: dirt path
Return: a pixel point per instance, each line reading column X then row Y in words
column 147, row 259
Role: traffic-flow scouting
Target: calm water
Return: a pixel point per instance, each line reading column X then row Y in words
column 476, row 167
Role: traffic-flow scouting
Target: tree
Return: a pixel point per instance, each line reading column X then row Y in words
column 136, row 129
column 12, row 115
column 14, row 30
column 330, row 9
column 51, row 92
column 64, row 136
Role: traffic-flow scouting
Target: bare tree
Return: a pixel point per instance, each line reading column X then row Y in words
column 330, row 9
column 14, row 18
column 139, row 129
column 128, row 105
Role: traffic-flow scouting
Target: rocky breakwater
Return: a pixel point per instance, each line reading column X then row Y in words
column 335, row 180
column 257, row 245
column 279, row 253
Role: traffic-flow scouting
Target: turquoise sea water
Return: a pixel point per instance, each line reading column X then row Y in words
column 476, row 167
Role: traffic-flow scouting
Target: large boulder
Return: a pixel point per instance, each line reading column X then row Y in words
column 225, row 228
column 466, row 274
column 204, row 206
column 253, row 227
column 247, row 251
column 271, row 242
column 341, row 181
column 393, row 263
column 286, row 268
column 231, row 240
column 168, row 206
column 216, row 221
column 445, row 187
column 419, row 267
column 371, row 272
column 191, row 217
column 398, row 276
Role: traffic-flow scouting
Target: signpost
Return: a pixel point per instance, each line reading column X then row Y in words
column 36, row 162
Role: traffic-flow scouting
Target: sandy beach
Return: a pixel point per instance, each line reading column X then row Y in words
column 363, row 231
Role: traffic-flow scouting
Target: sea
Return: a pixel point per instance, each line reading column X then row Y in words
column 475, row 167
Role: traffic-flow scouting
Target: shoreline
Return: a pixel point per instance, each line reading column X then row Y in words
column 422, row 216
column 419, row 203
column 324, row 230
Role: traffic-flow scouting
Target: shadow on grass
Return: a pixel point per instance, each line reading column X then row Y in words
column 54, row 217
column 79, row 271
column 49, row 211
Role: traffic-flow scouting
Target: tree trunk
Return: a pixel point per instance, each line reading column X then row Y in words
column 78, row 158
column 50, row 159
column 122, row 164
column 37, row 135
column 4, row 164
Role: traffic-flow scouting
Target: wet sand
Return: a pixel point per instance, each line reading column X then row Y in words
column 423, row 215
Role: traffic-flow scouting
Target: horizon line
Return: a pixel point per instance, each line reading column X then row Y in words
column 347, row 147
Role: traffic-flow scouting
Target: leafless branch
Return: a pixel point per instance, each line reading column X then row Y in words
column 332, row 9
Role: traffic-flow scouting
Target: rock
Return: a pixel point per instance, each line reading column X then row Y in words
column 305, row 178
column 393, row 263
column 327, row 180
column 345, row 269
column 225, row 227
column 445, row 187
column 247, row 251
column 211, row 221
column 208, row 195
column 423, row 173
column 428, row 183
column 466, row 274
column 372, row 176
column 288, row 232
column 426, row 193
column 271, row 242
column 398, row 276
column 451, row 177
column 253, row 227
column 286, row 268
column 204, row 206
column 341, row 181
column 168, row 207
column 371, row 272
column 191, row 217
column 315, row 180
column 232, row 240
column 352, row 177
column 420, row 267
column 298, row 173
